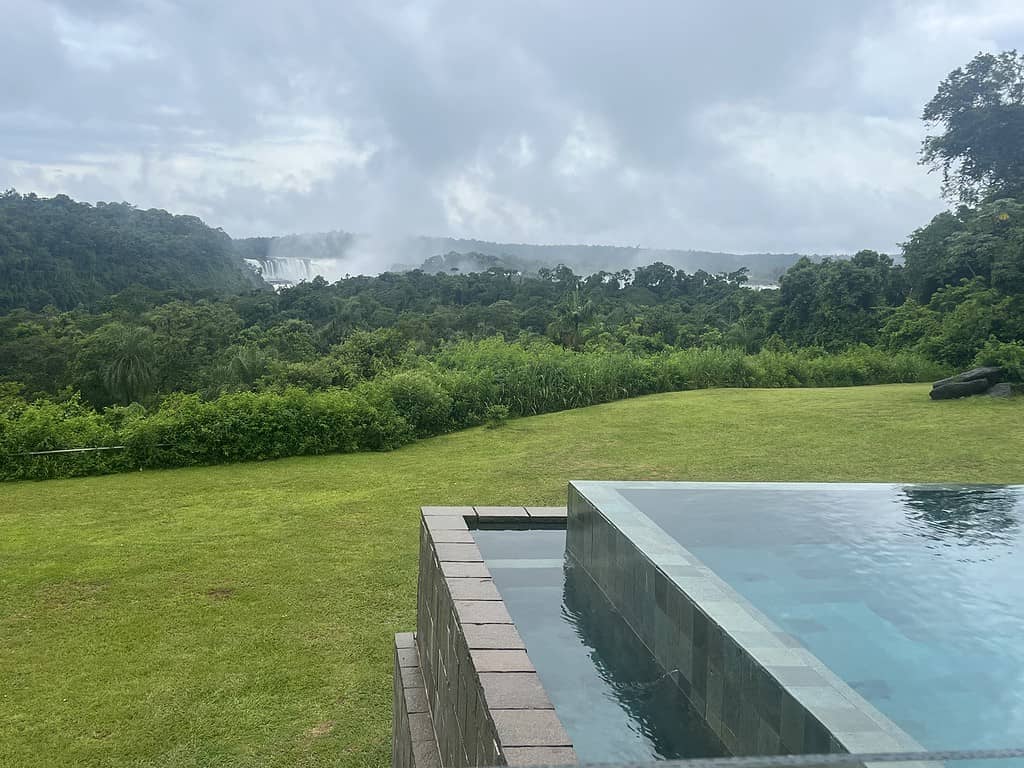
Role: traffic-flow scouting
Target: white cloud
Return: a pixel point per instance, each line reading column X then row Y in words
column 103, row 46
column 474, row 209
column 586, row 149
column 749, row 126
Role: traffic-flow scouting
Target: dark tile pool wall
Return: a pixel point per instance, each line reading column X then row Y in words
column 743, row 705
column 465, row 732
column 413, row 744
column 486, row 704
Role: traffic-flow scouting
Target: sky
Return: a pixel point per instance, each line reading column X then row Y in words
column 745, row 126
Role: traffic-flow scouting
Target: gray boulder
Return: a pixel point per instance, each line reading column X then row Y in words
column 1000, row 390
column 992, row 374
column 947, row 389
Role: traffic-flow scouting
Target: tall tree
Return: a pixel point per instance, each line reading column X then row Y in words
column 979, row 111
column 117, row 364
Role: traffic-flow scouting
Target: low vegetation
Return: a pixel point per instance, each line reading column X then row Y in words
column 242, row 615
column 464, row 385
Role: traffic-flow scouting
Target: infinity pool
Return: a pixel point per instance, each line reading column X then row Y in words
column 913, row 595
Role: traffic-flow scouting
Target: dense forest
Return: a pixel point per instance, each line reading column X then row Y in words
column 141, row 329
column 63, row 254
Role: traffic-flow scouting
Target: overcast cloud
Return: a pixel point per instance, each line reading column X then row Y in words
column 741, row 126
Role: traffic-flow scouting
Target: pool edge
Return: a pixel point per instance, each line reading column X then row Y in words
column 480, row 686
column 733, row 662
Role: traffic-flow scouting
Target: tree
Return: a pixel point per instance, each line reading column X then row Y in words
column 571, row 314
column 986, row 242
column 117, row 365
column 836, row 302
column 980, row 111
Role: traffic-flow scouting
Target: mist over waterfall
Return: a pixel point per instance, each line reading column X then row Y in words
column 285, row 261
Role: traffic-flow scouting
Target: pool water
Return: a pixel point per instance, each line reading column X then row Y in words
column 914, row 595
column 610, row 694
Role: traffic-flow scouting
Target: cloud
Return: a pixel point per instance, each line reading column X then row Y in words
column 747, row 126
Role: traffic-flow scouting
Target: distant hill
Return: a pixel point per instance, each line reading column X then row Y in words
column 764, row 267
column 61, row 252
column 334, row 254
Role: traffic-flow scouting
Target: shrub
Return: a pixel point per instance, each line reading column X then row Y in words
column 496, row 416
column 1009, row 355
column 49, row 426
column 419, row 398
column 467, row 383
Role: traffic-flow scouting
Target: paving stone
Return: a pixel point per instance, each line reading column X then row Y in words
column 846, row 720
column 459, row 553
column 412, row 678
column 514, row 690
column 501, row 661
column 540, row 756
column 453, row 569
column 529, row 728
column 482, row 612
column 428, row 757
column 408, row 657
column 445, row 523
column 447, row 511
column 797, row 676
column 472, row 589
column 415, row 700
column 420, row 727
column 493, row 636
column 405, row 640
column 497, row 514
column 451, row 536
column 548, row 513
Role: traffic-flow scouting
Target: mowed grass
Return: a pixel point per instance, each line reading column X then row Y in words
column 243, row 614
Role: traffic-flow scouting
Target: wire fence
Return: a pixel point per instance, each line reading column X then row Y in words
column 83, row 450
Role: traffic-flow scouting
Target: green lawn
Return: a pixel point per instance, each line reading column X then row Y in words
column 242, row 614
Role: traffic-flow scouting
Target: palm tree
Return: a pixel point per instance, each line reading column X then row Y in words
column 571, row 314
column 130, row 372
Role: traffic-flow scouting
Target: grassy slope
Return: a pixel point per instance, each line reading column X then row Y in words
column 241, row 615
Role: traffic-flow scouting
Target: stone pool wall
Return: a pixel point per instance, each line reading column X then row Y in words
column 757, row 689
column 412, row 744
column 485, row 704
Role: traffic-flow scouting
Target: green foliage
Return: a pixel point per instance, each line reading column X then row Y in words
column 957, row 323
column 835, row 303
column 985, row 243
column 980, row 111
column 418, row 396
column 496, row 416
column 54, row 251
column 1009, row 355
column 468, row 383
column 116, row 364
column 49, row 426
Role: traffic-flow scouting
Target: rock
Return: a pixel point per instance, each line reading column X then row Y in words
column 947, row 391
column 991, row 374
column 1000, row 390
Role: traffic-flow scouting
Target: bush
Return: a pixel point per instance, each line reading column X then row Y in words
column 419, row 398
column 466, row 384
column 49, row 426
column 496, row 416
column 1009, row 355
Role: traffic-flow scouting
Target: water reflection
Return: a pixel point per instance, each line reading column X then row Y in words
column 965, row 515
column 655, row 704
